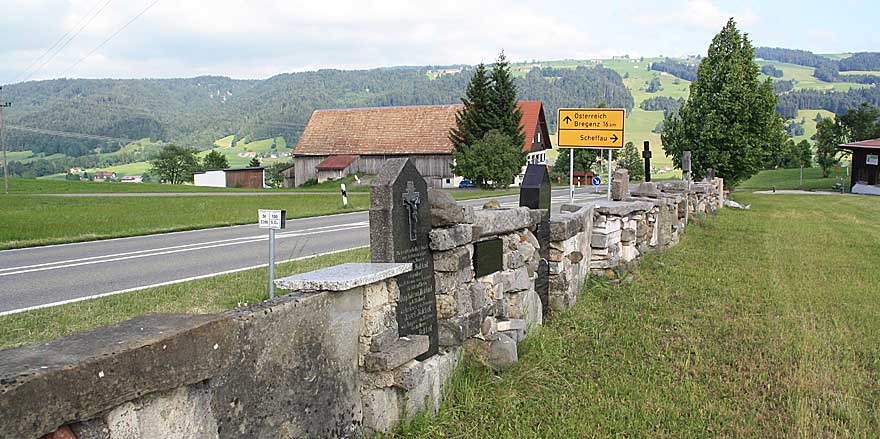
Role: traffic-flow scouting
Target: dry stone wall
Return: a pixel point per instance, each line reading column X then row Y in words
column 329, row 359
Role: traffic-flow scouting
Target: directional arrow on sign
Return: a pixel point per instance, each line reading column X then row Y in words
column 567, row 119
column 614, row 138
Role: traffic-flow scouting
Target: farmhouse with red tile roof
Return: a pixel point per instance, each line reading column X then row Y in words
column 336, row 143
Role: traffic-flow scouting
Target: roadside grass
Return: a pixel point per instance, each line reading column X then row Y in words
column 33, row 220
column 761, row 323
column 210, row 295
column 790, row 179
column 45, row 186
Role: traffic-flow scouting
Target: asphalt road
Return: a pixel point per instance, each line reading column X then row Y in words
column 53, row 275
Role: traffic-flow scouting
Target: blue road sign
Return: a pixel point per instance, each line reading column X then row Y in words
column 597, row 181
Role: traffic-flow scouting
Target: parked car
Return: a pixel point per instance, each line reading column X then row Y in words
column 466, row 183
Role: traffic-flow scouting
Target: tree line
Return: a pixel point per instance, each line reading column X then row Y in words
column 682, row 70
column 827, row 69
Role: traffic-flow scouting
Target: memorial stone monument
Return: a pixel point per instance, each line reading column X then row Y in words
column 400, row 221
column 534, row 193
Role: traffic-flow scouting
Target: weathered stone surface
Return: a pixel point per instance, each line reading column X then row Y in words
column 468, row 215
column 181, row 413
column 382, row 409
column 622, row 208
column 489, row 326
column 619, row 184
column 514, row 280
column 451, row 237
column 598, row 240
column 675, row 186
column 647, row 190
column 278, row 342
column 409, row 375
column 564, row 226
column 498, row 352
column 525, row 305
column 91, row 372
column 454, row 331
column 456, row 259
column 628, row 235
column 499, row 221
column 402, row 351
column 512, row 324
column 444, row 210
column 492, row 204
column 92, row 429
column 447, row 306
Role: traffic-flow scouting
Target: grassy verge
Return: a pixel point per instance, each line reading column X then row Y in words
column 33, row 220
column 209, row 295
column 790, row 179
column 762, row 323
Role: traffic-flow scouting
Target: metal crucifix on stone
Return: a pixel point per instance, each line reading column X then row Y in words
column 412, row 200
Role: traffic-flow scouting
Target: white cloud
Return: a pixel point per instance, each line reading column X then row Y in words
column 260, row 38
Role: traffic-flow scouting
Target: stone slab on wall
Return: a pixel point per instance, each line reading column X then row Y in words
column 295, row 370
column 46, row 385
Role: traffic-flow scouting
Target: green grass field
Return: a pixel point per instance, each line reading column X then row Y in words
column 790, row 179
column 761, row 323
column 33, row 220
column 258, row 146
column 804, row 79
column 210, row 295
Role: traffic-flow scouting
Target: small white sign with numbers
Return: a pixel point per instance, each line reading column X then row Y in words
column 272, row 219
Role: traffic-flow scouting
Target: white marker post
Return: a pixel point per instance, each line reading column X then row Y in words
column 344, row 195
column 272, row 220
column 609, row 174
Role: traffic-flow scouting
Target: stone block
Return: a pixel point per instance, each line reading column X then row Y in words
column 381, row 409
column 454, row 331
column 647, row 190
column 468, row 214
column 619, row 184
column 515, row 280
column 402, row 351
column 627, row 235
column 451, row 237
column 180, row 413
column 410, row 375
column 444, row 210
column 500, row 221
column 447, row 306
column 621, row 208
column 511, row 325
column 598, row 240
column 456, row 259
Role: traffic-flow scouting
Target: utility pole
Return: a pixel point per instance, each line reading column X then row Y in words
column 3, row 144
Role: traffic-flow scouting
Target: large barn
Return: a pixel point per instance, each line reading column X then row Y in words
column 336, row 143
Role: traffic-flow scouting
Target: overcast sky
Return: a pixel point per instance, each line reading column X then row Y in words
column 262, row 38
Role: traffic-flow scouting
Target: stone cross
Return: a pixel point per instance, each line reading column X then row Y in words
column 686, row 165
column 411, row 200
column 646, row 154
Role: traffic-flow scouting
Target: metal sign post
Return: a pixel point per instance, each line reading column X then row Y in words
column 272, row 220
column 571, row 175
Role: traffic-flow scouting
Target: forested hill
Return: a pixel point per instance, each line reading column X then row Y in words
column 196, row 111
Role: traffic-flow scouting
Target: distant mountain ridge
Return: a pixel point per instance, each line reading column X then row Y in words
column 196, row 111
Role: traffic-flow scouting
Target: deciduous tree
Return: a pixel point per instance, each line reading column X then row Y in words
column 631, row 159
column 214, row 161
column 175, row 164
column 828, row 136
column 491, row 162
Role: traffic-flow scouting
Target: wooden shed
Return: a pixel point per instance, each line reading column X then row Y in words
column 865, row 166
column 245, row 177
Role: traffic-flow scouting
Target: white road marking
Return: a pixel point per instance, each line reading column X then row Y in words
column 187, row 279
column 152, row 235
column 179, row 249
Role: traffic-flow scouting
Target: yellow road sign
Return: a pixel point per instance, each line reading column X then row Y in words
column 591, row 127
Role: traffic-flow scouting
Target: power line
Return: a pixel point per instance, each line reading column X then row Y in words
column 69, row 134
column 118, row 31
column 72, row 37
column 55, row 44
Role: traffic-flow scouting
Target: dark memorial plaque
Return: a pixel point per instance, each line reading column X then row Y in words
column 400, row 221
column 534, row 193
column 488, row 257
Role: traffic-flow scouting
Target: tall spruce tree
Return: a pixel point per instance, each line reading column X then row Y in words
column 504, row 114
column 729, row 121
column 471, row 122
column 490, row 107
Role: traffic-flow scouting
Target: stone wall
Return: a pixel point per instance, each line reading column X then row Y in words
column 326, row 359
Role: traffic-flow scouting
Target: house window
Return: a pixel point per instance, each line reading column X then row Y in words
column 447, row 181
